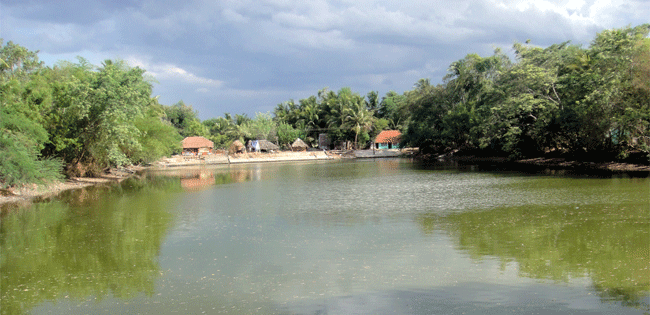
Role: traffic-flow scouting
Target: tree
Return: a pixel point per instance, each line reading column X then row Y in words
column 287, row 134
column 358, row 118
column 470, row 90
column 373, row 100
column 526, row 102
column 94, row 114
column 157, row 137
column 262, row 127
column 17, row 61
column 619, row 106
column 23, row 95
column 394, row 108
column 119, row 95
column 184, row 118
column 428, row 105
column 20, row 142
column 338, row 109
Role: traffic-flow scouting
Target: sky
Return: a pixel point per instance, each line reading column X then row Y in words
column 248, row 56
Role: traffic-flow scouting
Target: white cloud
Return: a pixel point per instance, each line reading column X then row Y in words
column 581, row 13
column 271, row 50
column 166, row 71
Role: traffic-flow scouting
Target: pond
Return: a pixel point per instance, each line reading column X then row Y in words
column 385, row 236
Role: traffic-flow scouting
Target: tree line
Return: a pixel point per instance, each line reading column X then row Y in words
column 75, row 118
column 79, row 119
column 584, row 102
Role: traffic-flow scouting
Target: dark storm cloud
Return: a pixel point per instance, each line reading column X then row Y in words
column 247, row 56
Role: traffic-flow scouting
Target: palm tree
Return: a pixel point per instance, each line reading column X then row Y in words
column 359, row 118
column 309, row 114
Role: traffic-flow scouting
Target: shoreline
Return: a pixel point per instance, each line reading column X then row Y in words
column 541, row 163
column 28, row 193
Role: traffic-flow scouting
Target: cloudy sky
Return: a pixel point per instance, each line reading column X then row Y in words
column 247, row 56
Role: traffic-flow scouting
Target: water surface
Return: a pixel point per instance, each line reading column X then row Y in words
column 350, row 237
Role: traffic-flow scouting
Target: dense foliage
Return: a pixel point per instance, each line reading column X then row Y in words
column 562, row 99
column 75, row 116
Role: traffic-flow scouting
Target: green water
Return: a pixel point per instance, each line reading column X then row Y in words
column 351, row 237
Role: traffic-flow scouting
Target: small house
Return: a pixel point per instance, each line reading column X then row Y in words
column 299, row 145
column 197, row 146
column 261, row 145
column 388, row 139
column 236, row 147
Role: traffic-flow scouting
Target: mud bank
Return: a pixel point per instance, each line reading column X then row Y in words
column 27, row 193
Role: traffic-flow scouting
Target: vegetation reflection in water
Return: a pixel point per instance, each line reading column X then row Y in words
column 607, row 242
column 103, row 241
column 363, row 237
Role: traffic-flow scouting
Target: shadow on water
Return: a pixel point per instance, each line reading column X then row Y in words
column 586, row 170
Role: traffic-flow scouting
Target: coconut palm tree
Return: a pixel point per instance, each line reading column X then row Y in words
column 358, row 117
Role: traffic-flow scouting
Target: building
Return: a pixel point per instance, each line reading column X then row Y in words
column 261, row 145
column 299, row 145
column 388, row 139
column 323, row 141
column 197, row 146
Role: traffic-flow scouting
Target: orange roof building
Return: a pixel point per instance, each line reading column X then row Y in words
column 388, row 139
column 197, row 146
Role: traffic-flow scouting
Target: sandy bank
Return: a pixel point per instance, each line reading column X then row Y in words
column 282, row 156
column 27, row 193
column 247, row 158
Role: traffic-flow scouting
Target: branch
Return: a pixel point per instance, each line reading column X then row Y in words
column 556, row 95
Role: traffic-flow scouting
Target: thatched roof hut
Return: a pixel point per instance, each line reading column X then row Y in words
column 236, row 147
column 264, row 145
column 299, row 145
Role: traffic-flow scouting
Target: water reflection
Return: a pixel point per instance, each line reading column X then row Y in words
column 376, row 236
column 200, row 178
column 91, row 245
column 607, row 242
column 467, row 298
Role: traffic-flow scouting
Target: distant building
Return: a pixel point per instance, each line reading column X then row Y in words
column 388, row 139
column 323, row 141
column 197, row 146
column 261, row 145
column 236, row 147
column 299, row 145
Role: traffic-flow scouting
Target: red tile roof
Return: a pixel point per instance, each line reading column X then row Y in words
column 197, row 142
column 388, row 136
